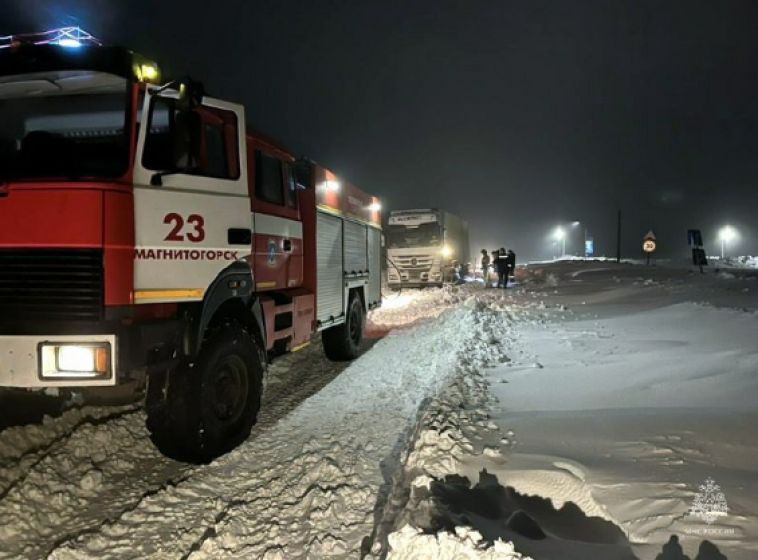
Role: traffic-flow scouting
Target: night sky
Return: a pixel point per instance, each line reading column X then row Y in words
column 515, row 115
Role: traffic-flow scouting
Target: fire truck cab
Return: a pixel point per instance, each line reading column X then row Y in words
column 146, row 234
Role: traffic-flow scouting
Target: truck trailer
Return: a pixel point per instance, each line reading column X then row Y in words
column 148, row 238
column 422, row 247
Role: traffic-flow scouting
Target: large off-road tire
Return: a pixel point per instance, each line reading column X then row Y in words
column 343, row 342
column 204, row 409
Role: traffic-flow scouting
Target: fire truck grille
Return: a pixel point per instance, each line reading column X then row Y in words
column 51, row 285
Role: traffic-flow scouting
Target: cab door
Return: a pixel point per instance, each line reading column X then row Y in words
column 278, row 231
column 191, row 200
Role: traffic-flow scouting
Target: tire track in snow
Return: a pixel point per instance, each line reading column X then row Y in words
column 33, row 456
column 95, row 528
column 97, row 471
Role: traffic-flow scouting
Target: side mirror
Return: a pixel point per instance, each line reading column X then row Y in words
column 187, row 129
column 303, row 170
column 190, row 94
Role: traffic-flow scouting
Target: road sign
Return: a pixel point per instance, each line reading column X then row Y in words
column 694, row 238
column 649, row 245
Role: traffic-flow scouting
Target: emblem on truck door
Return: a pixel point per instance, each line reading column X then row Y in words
column 271, row 252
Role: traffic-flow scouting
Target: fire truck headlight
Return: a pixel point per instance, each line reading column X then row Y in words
column 447, row 251
column 75, row 360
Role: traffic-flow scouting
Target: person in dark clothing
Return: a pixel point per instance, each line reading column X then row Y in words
column 501, row 265
column 485, row 268
column 454, row 274
column 511, row 264
column 461, row 272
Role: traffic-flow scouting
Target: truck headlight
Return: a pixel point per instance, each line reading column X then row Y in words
column 75, row 360
column 447, row 251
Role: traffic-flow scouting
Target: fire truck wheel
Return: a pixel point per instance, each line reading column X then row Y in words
column 209, row 407
column 343, row 342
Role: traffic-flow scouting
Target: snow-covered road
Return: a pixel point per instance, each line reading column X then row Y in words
column 571, row 417
column 309, row 482
column 71, row 474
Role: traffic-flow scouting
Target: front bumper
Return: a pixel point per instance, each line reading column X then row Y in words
column 20, row 364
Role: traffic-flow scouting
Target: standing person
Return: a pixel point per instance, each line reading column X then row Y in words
column 486, row 268
column 512, row 263
column 501, row 265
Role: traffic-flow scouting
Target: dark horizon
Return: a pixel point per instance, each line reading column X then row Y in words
column 516, row 116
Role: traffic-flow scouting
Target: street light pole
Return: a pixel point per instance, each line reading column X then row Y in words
column 584, row 230
column 585, row 242
column 560, row 235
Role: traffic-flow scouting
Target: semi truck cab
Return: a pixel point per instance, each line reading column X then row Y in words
column 422, row 245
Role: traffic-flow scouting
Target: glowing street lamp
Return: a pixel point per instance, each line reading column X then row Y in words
column 726, row 234
column 560, row 235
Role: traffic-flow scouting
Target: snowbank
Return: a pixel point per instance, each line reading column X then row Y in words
column 630, row 413
column 747, row 261
column 465, row 544
column 407, row 307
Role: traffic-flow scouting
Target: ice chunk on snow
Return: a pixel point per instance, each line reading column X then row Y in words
column 412, row 544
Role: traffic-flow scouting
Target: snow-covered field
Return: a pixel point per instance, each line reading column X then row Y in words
column 574, row 416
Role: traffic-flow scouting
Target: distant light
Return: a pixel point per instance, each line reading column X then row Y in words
column 727, row 233
column 375, row 207
column 69, row 43
column 447, row 251
column 574, row 224
column 332, row 186
column 559, row 233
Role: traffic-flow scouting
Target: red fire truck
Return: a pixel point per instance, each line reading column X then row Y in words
column 145, row 234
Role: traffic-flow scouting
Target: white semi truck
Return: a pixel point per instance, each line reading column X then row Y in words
column 423, row 245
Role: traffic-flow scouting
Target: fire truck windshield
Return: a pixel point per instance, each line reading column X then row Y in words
column 64, row 125
column 405, row 237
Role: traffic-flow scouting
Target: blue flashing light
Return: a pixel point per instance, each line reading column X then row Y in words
column 69, row 43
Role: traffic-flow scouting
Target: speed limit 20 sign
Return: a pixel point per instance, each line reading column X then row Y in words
column 649, row 244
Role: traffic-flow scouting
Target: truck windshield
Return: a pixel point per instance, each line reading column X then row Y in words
column 68, row 125
column 405, row 237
